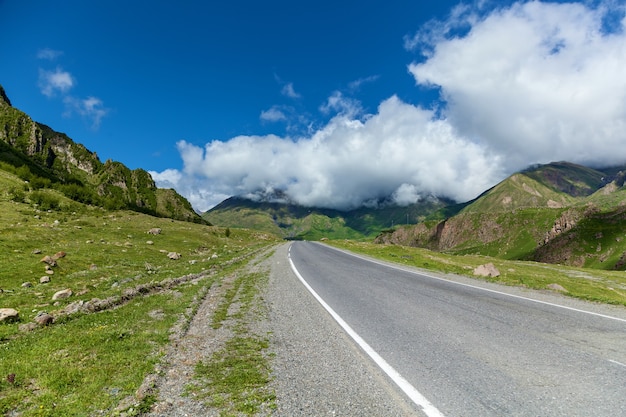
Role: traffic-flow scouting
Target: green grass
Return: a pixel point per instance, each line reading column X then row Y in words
column 593, row 285
column 88, row 363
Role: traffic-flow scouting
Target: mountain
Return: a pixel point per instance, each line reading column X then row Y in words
column 558, row 213
column 49, row 159
column 277, row 215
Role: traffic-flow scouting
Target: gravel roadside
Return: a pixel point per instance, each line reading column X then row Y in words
column 317, row 370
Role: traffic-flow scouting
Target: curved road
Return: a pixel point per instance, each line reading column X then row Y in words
column 473, row 352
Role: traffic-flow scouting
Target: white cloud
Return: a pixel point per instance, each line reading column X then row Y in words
column 289, row 91
column 530, row 83
column 57, row 81
column 339, row 103
column 273, row 114
column 535, row 82
column 90, row 108
column 344, row 164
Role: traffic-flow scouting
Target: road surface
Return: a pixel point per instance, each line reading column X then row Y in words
column 467, row 351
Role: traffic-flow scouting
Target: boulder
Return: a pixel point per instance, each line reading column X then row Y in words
column 43, row 318
column 44, row 280
column 154, row 231
column 174, row 255
column 59, row 295
column 487, row 270
column 8, row 315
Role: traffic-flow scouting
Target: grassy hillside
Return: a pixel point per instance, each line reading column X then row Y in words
column 126, row 296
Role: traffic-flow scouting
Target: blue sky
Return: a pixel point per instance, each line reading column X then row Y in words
column 337, row 103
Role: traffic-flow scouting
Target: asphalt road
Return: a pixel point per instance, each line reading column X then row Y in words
column 468, row 351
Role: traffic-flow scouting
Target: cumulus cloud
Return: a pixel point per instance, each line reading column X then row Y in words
column 56, row 81
column 530, row 83
column 401, row 151
column 535, row 82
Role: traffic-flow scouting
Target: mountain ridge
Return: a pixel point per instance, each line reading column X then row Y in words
column 46, row 158
column 575, row 218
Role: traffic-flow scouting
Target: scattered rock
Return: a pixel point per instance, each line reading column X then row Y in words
column 44, row 280
column 59, row 295
column 44, row 319
column 27, row 327
column 174, row 255
column 8, row 315
column 49, row 272
column 74, row 307
column 154, row 231
column 48, row 260
column 27, row 284
column 59, row 255
column 36, row 251
column 149, row 242
column 556, row 287
column 93, row 267
column 487, row 270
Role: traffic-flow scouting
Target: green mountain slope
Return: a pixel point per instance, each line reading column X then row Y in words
column 292, row 221
column 558, row 213
column 44, row 158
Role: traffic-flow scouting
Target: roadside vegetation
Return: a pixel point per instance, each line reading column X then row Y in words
column 588, row 284
column 88, row 354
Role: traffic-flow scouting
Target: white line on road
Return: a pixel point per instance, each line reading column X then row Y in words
column 429, row 409
column 617, row 363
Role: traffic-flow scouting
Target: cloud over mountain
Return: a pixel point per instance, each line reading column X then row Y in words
column 531, row 83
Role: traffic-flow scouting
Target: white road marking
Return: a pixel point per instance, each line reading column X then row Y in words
column 389, row 265
column 617, row 363
column 427, row 407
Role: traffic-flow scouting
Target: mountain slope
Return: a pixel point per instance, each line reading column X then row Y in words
column 560, row 213
column 49, row 159
column 293, row 221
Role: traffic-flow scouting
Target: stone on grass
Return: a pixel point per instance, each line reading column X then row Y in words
column 44, row 280
column 8, row 315
column 154, row 231
column 59, row 295
column 43, row 318
column 556, row 287
column 174, row 255
column 28, row 284
column 487, row 270
column 48, row 260
column 59, row 255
